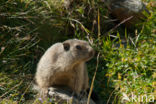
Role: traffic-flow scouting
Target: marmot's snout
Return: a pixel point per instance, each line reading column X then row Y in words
column 91, row 52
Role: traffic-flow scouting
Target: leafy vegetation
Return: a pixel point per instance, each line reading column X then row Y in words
column 127, row 62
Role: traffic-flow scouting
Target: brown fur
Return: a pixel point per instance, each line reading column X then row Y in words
column 63, row 64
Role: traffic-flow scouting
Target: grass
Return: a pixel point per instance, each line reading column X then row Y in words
column 126, row 64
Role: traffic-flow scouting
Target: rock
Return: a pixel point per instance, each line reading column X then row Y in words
column 62, row 96
column 130, row 10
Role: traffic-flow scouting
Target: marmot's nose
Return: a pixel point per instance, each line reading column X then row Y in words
column 91, row 54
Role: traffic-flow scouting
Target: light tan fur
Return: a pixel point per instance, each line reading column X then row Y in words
column 63, row 64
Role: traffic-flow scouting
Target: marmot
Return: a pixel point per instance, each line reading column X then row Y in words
column 64, row 64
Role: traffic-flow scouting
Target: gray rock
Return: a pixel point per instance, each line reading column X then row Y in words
column 132, row 9
column 62, row 96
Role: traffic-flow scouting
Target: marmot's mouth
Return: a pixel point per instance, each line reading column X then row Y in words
column 90, row 55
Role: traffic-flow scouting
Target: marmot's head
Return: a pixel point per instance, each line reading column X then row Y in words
column 79, row 50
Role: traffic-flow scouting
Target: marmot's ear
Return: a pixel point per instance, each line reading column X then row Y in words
column 66, row 46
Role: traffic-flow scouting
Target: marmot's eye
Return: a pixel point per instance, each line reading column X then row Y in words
column 78, row 47
column 66, row 46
